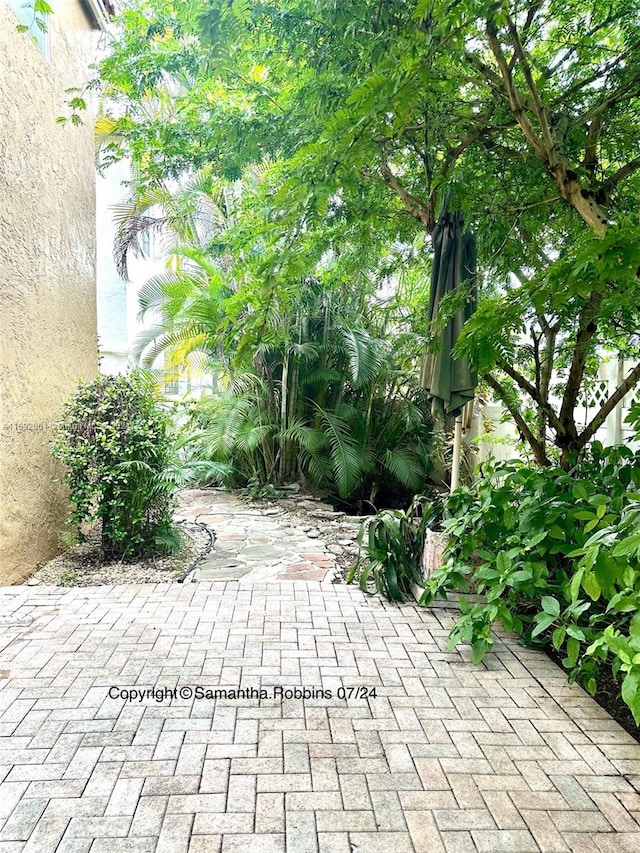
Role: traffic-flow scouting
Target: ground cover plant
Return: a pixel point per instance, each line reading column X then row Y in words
column 555, row 556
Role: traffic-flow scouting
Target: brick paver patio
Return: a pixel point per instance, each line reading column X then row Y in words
column 447, row 756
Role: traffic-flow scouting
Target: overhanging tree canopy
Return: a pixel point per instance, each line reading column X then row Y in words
column 367, row 110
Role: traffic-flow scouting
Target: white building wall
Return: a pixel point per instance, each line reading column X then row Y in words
column 119, row 326
column 113, row 325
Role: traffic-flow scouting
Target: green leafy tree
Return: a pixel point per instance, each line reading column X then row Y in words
column 371, row 111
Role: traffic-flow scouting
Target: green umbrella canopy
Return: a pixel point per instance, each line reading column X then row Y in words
column 449, row 380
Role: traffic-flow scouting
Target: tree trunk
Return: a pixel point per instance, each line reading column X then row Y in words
column 288, row 450
column 581, row 199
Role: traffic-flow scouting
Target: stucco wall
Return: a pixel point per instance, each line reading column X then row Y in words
column 47, row 274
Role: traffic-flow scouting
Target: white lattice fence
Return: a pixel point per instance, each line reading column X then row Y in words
column 594, row 396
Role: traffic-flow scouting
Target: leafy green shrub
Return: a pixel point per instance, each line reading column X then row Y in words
column 391, row 546
column 114, row 441
column 555, row 556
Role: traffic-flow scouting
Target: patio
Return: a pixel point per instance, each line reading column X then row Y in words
column 447, row 756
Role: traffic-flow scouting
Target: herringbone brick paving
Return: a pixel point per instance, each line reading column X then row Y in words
column 449, row 756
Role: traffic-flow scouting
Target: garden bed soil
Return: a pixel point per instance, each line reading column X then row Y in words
column 83, row 564
column 607, row 696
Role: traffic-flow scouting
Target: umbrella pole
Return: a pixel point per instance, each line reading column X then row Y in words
column 457, row 453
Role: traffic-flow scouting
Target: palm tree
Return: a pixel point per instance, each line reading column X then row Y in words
column 309, row 387
column 192, row 214
column 187, row 302
column 182, row 304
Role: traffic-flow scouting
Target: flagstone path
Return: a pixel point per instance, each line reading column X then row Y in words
column 112, row 738
column 295, row 538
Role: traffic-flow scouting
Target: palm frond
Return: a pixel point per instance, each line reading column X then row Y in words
column 311, row 439
column 402, row 465
column 105, row 131
column 320, row 375
column 347, row 458
column 198, row 256
column 305, row 351
column 167, row 292
column 249, row 436
column 366, row 355
column 158, row 340
column 128, row 239
column 318, row 467
column 245, row 383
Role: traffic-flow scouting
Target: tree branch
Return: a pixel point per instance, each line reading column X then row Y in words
column 587, row 327
column 522, row 207
column 632, row 380
column 515, row 101
column 414, row 206
column 531, row 15
column 540, row 109
column 488, row 74
column 536, row 357
column 549, row 333
column 560, row 168
column 597, row 74
column 524, row 430
column 626, row 92
column 453, row 153
column 376, row 20
column 622, row 173
column 523, row 383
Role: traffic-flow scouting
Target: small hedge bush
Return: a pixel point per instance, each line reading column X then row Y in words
column 114, row 441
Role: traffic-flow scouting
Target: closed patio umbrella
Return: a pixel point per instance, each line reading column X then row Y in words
column 450, row 381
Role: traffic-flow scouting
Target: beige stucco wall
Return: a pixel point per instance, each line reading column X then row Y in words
column 47, row 274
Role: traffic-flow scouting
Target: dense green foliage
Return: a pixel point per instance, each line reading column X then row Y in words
column 363, row 114
column 554, row 556
column 320, row 395
column 331, row 408
column 114, row 442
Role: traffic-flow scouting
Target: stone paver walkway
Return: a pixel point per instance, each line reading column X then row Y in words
column 290, row 539
column 446, row 756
